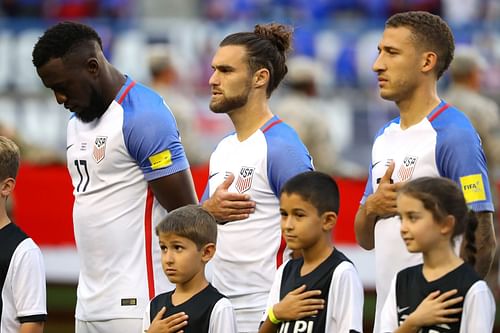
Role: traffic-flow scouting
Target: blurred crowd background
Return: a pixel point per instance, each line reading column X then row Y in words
column 330, row 94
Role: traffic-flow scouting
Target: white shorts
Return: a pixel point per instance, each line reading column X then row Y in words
column 125, row 325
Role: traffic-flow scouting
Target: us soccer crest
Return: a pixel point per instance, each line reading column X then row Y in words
column 244, row 181
column 406, row 169
column 99, row 148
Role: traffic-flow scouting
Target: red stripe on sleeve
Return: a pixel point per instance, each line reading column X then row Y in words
column 438, row 112
column 148, row 242
column 125, row 92
column 271, row 125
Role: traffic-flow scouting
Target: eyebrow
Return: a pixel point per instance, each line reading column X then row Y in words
column 223, row 67
column 387, row 48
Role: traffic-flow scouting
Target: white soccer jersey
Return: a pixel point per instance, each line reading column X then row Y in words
column 249, row 251
column 340, row 286
column 22, row 280
column 111, row 160
column 478, row 306
column 442, row 144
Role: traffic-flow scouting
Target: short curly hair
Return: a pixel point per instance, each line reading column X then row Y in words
column 61, row 39
column 429, row 32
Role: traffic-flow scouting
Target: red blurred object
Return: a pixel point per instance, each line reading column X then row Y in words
column 43, row 202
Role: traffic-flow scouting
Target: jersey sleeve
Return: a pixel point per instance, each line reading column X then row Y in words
column 222, row 318
column 152, row 138
column 287, row 156
column 479, row 309
column 146, row 320
column 388, row 317
column 460, row 157
column 28, row 283
column 346, row 293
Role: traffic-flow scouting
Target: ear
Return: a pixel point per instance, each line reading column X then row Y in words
column 429, row 61
column 261, row 78
column 448, row 225
column 329, row 220
column 7, row 186
column 207, row 252
column 93, row 66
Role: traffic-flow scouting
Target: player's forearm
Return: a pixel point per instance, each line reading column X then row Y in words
column 36, row 327
column 364, row 227
column 407, row 327
column 485, row 243
column 268, row 327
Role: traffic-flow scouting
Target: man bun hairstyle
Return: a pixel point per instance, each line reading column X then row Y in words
column 267, row 47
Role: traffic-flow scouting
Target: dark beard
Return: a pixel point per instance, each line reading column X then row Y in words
column 229, row 104
column 96, row 108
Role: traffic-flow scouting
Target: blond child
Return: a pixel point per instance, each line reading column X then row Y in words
column 22, row 271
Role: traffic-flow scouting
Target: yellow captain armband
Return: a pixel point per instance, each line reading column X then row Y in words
column 272, row 317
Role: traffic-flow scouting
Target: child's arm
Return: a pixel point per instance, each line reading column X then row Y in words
column 479, row 309
column 434, row 309
column 171, row 324
column 295, row 305
column 222, row 318
column 29, row 288
column 345, row 300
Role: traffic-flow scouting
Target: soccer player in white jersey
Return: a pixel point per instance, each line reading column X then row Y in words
column 429, row 138
column 128, row 168
column 254, row 162
column 22, row 272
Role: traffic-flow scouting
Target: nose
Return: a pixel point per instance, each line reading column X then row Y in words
column 214, row 79
column 287, row 222
column 60, row 98
column 378, row 64
column 403, row 227
column 167, row 257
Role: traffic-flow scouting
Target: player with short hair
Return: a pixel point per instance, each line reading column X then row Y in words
column 22, row 271
column 444, row 294
column 188, row 237
column 128, row 168
column 429, row 138
column 320, row 291
column 254, row 162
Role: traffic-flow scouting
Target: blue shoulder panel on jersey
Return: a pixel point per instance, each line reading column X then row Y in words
column 459, row 156
column 205, row 194
column 369, row 187
column 150, row 133
column 286, row 154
